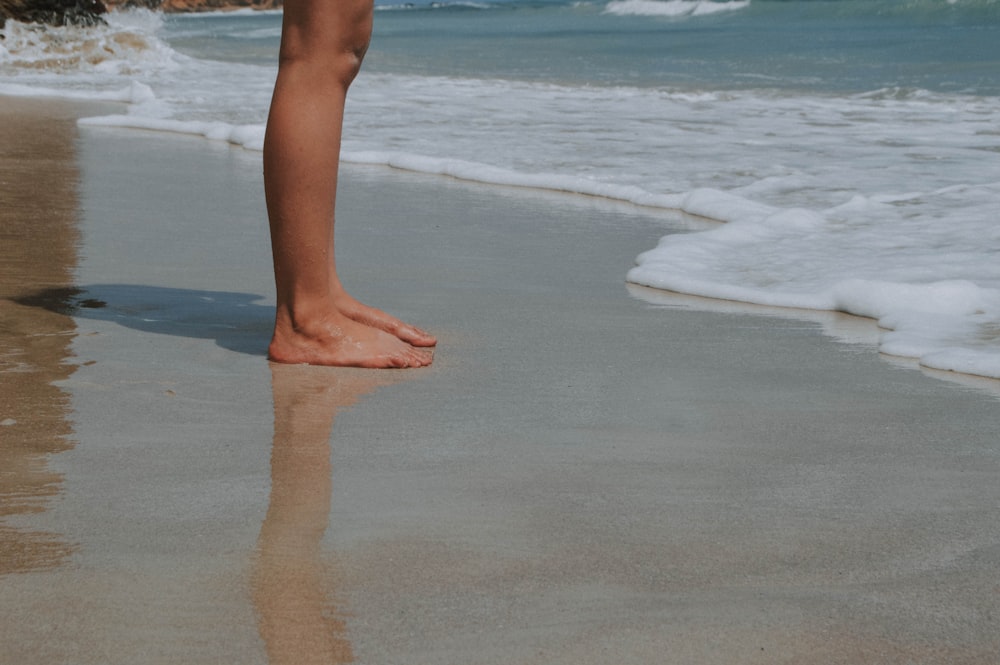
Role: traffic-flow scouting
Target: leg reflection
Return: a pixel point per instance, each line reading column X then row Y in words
column 298, row 621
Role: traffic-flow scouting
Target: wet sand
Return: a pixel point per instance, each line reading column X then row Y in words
column 38, row 242
column 589, row 473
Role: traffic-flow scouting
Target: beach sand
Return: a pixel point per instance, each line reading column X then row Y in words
column 589, row 472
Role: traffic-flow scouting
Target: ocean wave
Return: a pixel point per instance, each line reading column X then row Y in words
column 424, row 6
column 987, row 11
column 134, row 93
column 249, row 136
column 929, row 286
column 126, row 44
column 226, row 13
column 470, row 171
column 982, row 12
column 125, row 60
column 673, row 8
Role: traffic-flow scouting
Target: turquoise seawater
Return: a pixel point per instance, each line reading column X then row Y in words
column 830, row 45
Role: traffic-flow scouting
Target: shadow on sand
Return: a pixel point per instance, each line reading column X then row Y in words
column 236, row 321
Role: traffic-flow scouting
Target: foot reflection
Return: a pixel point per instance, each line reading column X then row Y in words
column 292, row 584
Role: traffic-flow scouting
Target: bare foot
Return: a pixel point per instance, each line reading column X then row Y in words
column 339, row 341
column 376, row 318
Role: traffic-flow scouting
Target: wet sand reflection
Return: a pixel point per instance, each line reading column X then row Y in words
column 293, row 585
column 38, row 251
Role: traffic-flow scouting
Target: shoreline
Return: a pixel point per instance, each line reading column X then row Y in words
column 899, row 341
column 583, row 476
column 905, row 340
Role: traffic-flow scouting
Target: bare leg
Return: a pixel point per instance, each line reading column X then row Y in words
column 322, row 44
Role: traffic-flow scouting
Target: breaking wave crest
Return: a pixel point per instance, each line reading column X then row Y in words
column 126, row 44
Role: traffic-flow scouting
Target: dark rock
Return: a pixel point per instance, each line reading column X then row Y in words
column 53, row 12
column 88, row 12
column 173, row 6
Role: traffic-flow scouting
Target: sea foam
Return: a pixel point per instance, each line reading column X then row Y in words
column 126, row 44
column 929, row 284
column 247, row 136
column 672, row 7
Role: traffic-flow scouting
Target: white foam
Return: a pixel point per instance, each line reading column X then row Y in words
column 484, row 173
column 672, row 8
column 226, row 13
column 133, row 93
column 888, row 266
column 412, row 6
column 126, row 44
column 247, row 136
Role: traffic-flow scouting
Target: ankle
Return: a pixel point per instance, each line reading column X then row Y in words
column 305, row 317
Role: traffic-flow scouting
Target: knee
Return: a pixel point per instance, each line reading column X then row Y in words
column 343, row 57
column 331, row 45
column 344, row 66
